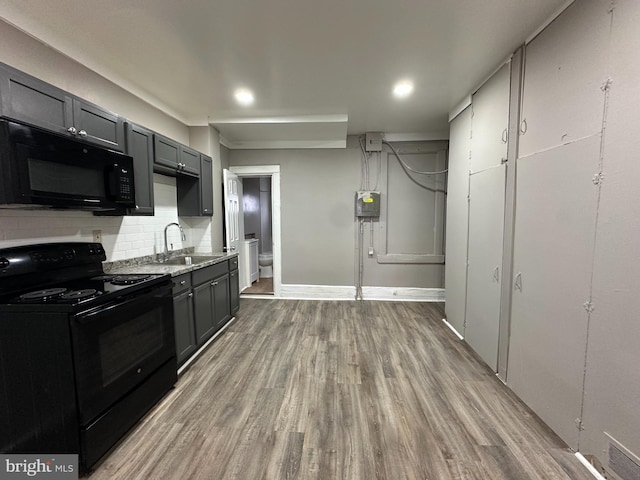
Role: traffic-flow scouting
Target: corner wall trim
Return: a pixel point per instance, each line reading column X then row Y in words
column 591, row 468
column 347, row 292
column 452, row 328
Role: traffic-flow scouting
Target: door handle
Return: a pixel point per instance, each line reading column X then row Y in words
column 518, row 283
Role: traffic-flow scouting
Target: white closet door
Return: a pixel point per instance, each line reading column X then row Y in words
column 457, row 220
column 486, row 221
column 553, row 251
column 486, row 214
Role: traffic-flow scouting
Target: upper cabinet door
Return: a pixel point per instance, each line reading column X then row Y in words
column 565, row 71
column 489, row 121
column 189, row 160
column 140, row 147
column 29, row 100
column 206, row 185
column 166, row 152
column 98, row 126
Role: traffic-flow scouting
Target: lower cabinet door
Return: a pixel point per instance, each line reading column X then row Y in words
column 184, row 326
column 203, row 305
column 234, row 292
column 221, row 300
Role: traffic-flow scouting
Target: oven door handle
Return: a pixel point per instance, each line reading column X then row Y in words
column 121, row 302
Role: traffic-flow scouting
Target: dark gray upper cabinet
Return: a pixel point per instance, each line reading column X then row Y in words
column 190, row 160
column 206, row 185
column 195, row 195
column 166, row 153
column 173, row 158
column 30, row 100
column 98, row 126
column 140, row 147
column 33, row 101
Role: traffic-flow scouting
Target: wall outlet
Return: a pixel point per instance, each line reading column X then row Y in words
column 97, row 236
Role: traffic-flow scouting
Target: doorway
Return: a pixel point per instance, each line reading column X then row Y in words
column 262, row 211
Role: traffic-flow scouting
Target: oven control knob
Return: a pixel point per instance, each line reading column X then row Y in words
column 4, row 263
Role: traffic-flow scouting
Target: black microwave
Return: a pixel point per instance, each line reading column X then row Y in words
column 41, row 168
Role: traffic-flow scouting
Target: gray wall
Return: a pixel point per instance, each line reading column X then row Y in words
column 573, row 355
column 318, row 223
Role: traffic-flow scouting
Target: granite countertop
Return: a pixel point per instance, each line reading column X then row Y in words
column 152, row 263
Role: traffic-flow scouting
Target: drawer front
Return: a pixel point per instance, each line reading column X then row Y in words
column 233, row 263
column 181, row 283
column 209, row 273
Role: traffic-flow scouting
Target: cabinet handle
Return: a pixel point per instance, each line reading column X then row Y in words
column 72, row 130
column 213, row 284
column 82, row 133
column 183, row 282
column 190, row 295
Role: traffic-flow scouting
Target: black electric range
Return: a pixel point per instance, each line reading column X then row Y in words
column 84, row 354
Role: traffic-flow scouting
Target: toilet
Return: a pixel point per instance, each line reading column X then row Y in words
column 265, row 260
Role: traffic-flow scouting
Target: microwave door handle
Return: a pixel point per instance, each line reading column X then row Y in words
column 88, row 317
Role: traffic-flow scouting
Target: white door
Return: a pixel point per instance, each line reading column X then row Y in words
column 234, row 219
column 486, row 220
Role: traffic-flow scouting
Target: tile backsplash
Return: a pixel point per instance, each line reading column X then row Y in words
column 122, row 237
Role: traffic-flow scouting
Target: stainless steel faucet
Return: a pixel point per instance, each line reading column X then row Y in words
column 166, row 243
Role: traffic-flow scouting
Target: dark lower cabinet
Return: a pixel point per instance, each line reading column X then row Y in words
column 184, row 325
column 221, row 303
column 204, row 300
column 203, row 306
column 234, row 292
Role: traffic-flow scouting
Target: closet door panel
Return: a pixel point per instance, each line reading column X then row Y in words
column 486, row 221
column 457, row 220
column 565, row 68
column 490, row 120
column 553, row 251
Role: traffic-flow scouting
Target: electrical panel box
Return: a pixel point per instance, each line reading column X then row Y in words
column 373, row 142
column 367, row 204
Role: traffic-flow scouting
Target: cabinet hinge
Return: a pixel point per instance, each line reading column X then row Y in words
column 503, row 161
column 579, row 424
column 612, row 6
column 606, row 85
column 588, row 306
column 598, row 178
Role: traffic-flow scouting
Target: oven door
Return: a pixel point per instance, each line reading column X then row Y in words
column 117, row 346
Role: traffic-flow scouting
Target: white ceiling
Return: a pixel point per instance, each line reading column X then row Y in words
column 319, row 69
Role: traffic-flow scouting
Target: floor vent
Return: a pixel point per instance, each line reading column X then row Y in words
column 623, row 464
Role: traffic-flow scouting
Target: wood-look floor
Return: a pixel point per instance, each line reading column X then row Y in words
column 340, row 390
column 264, row 286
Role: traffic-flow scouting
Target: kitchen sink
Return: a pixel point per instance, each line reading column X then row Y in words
column 189, row 259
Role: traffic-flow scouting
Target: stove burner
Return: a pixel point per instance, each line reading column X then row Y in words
column 78, row 295
column 42, row 295
column 128, row 279
column 102, row 278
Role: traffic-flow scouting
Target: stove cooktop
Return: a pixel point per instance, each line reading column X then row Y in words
column 87, row 290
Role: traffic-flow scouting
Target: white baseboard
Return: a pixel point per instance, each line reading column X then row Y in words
column 403, row 294
column 339, row 292
column 317, row 292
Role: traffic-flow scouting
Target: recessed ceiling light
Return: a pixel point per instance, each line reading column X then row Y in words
column 244, row 96
column 403, row 89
